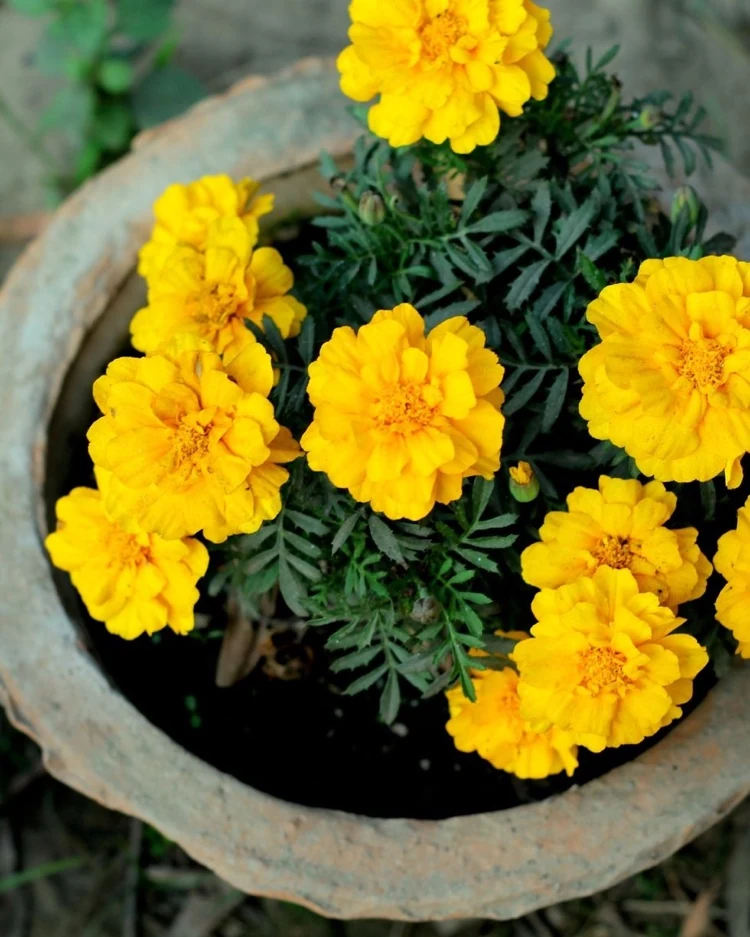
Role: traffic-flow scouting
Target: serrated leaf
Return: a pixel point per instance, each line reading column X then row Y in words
column 503, row 260
column 498, row 222
column 521, row 397
column 497, row 523
column 573, row 228
column 688, row 155
column 668, row 156
column 477, row 558
column 261, row 560
column 390, row 699
column 548, row 300
column 472, row 199
column 525, row 284
column 541, row 207
column 493, row 543
column 467, row 614
column 481, row 492
column 302, row 545
column 310, row 524
column 555, row 400
column 540, row 337
column 597, row 247
column 292, row 590
column 608, row 56
column 344, row 532
column 366, row 681
column 461, row 308
column 385, row 539
column 591, row 274
column 360, row 658
column 306, row 340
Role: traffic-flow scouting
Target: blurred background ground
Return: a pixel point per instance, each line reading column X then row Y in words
column 69, row 868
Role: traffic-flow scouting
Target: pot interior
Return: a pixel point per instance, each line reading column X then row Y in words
column 298, row 739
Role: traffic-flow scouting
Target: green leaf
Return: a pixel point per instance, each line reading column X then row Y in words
column 366, row 681
column 477, row 558
column 521, row 397
column 598, row 246
column 304, row 568
column 461, row 308
column 84, row 27
column 305, row 522
column 493, row 543
column 537, row 332
column 144, row 20
column 302, row 545
column 292, row 591
column 385, row 539
column 504, row 260
column 497, row 523
column 688, row 155
column 708, row 500
column 574, row 227
column 390, row 699
column 356, row 659
column 344, row 532
column 481, row 492
column 33, row 7
column 525, row 284
column 555, row 400
column 164, row 94
column 113, row 126
column 498, row 222
column 115, row 75
column 306, row 340
column 548, row 300
column 591, row 274
column 472, row 200
column 541, row 207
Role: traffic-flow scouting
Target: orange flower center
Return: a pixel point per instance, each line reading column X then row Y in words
column 614, row 552
column 702, row 363
column 190, row 444
column 404, row 409
column 602, row 669
column 440, row 34
column 124, row 548
column 214, row 305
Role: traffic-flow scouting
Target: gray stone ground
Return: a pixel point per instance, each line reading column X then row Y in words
column 702, row 45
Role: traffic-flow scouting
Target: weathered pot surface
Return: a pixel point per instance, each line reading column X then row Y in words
column 497, row 865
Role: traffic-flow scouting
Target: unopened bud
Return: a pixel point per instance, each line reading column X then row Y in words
column 371, row 208
column 686, row 198
column 524, row 485
column 649, row 117
column 426, row 610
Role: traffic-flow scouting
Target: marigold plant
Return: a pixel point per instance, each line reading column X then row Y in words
column 603, row 662
column 401, row 419
column 192, row 444
column 210, row 293
column 444, row 69
column 184, row 213
column 135, row 582
column 513, row 319
column 620, row 526
column 670, row 381
column 732, row 561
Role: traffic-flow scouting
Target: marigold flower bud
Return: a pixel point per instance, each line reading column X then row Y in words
column 371, row 208
column 524, row 485
column 686, row 197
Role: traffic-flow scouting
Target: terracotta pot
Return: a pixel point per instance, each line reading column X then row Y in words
column 497, row 865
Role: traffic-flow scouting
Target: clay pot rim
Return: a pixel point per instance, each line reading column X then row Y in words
column 496, row 865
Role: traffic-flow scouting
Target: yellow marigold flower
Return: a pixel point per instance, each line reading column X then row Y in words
column 621, row 526
column 522, row 474
column 184, row 214
column 444, row 68
column 136, row 583
column 493, row 727
column 603, row 663
column 192, row 444
column 670, row 381
column 401, row 419
column 732, row 561
column 210, row 293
